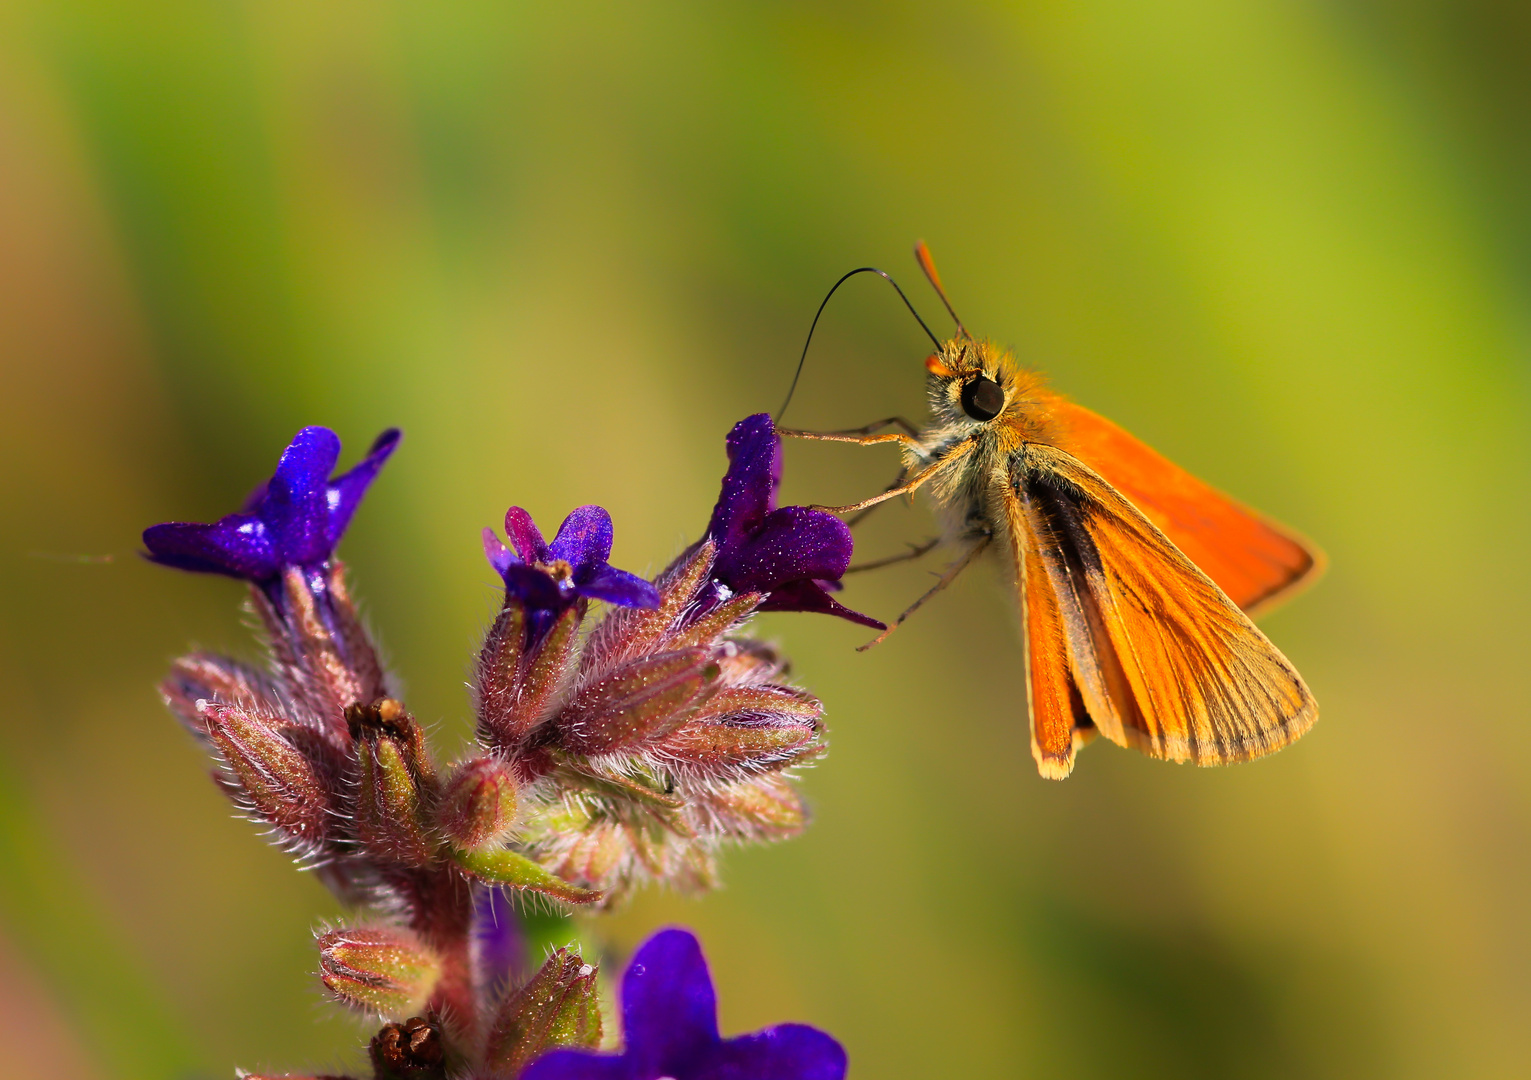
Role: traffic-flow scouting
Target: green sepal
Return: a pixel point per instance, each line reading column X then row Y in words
column 501, row 866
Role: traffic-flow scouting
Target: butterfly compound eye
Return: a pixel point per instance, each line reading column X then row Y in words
column 982, row 399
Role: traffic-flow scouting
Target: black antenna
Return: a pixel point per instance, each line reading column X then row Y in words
column 859, row 270
column 927, row 264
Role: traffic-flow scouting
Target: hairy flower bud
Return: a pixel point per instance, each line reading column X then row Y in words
column 394, row 783
column 478, row 804
column 557, row 1007
column 384, row 970
column 518, row 680
column 640, row 701
column 281, row 784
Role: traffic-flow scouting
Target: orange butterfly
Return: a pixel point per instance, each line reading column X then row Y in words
column 1134, row 578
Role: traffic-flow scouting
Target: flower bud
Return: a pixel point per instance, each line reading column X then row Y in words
column 499, row 662
column 764, row 807
column 281, row 783
column 640, row 701
column 746, row 728
column 725, row 749
column 627, row 633
column 384, row 970
column 559, row 1006
column 394, row 780
column 478, row 804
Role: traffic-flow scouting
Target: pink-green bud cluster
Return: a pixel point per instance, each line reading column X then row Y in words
column 665, row 736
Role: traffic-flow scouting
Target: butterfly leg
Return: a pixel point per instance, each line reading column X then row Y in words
column 858, row 435
column 947, row 578
column 910, row 486
column 915, row 551
column 898, row 482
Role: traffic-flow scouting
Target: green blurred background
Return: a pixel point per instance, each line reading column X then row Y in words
column 565, row 247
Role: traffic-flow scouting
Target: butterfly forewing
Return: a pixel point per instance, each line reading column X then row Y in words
column 1252, row 559
column 1160, row 658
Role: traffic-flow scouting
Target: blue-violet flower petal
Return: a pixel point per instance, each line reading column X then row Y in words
column 549, row 578
column 670, row 1023
column 293, row 519
column 794, row 554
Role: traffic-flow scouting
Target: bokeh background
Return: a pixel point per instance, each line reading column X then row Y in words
column 565, row 247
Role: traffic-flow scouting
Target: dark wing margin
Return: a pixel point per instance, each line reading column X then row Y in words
column 1126, row 634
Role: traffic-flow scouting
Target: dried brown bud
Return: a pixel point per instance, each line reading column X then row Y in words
column 413, row 1050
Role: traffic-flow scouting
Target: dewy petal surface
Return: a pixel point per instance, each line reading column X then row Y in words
column 296, row 505
column 500, row 557
column 791, row 553
column 581, row 1065
column 669, row 1011
column 812, row 597
column 238, row 545
column 524, row 535
column 790, row 544
column 787, row 1052
column 618, row 587
column 295, row 518
column 584, row 538
column 749, row 486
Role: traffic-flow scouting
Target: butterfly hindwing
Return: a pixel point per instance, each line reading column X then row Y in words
column 1055, row 707
column 1146, row 646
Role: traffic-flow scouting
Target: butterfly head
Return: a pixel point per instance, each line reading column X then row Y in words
column 970, row 381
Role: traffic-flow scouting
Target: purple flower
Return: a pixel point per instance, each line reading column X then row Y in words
column 550, row 577
column 670, row 1022
column 793, row 554
column 293, row 519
